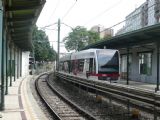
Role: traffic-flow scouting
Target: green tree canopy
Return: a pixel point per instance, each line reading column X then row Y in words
column 42, row 49
column 79, row 38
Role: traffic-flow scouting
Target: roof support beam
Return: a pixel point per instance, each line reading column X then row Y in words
column 20, row 19
column 15, row 8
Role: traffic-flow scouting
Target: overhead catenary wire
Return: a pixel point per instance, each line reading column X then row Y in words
column 57, row 4
column 69, row 10
column 114, row 24
column 62, row 17
column 103, row 12
column 48, row 25
column 51, row 29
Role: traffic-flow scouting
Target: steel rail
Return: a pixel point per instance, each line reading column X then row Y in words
column 52, row 111
column 72, row 104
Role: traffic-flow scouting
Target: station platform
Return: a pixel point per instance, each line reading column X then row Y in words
column 138, row 85
column 20, row 103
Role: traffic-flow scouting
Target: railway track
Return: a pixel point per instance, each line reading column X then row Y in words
column 60, row 107
column 143, row 100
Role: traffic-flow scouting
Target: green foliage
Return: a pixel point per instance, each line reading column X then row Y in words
column 42, row 49
column 93, row 37
column 79, row 38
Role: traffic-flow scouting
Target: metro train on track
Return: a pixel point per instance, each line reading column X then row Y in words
column 99, row 64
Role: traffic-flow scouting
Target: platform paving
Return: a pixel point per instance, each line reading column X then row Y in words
column 20, row 103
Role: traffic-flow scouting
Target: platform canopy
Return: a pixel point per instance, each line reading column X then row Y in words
column 142, row 36
column 21, row 17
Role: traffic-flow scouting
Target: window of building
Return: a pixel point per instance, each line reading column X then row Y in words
column 145, row 63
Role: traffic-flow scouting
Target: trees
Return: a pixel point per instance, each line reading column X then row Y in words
column 79, row 38
column 42, row 49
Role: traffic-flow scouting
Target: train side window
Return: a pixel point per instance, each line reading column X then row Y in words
column 65, row 66
column 86, row 66
column 72, row 65
column 80, row 65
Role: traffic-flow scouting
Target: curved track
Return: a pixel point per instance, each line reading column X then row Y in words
column 60, row 107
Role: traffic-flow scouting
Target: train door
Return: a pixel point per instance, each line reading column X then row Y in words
column 92, row 66
column 86, row 66
column 89, row 67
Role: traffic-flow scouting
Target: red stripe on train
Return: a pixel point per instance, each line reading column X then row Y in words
column 105, row 75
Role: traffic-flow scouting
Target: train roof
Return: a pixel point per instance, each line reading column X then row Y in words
column 66, row 57
column 89, row 53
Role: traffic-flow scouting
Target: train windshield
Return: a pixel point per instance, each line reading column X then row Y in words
column 108, row 61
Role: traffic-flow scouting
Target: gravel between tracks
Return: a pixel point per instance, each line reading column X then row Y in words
column 62, row 108
column 88, row 102
column 104, row 110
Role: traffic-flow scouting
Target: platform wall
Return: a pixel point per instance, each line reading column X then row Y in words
column 134, row 73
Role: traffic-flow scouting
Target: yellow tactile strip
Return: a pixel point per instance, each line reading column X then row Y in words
column 23, row 115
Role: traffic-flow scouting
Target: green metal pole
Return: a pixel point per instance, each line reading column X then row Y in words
column 17, row 63
column 6, row 92
column 14, row 63
column 10, row 66
column 59, row 25
column 157, row 88
column 2, row 53
column 20, row 63
column 127, row 66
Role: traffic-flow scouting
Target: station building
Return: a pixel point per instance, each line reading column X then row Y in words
column 17, row 17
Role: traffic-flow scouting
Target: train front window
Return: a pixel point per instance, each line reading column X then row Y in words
column 108, row 61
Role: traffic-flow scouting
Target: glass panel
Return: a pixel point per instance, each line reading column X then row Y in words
column 145, row 63
column 80, row 65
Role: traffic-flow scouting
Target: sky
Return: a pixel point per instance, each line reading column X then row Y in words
column 85, row 13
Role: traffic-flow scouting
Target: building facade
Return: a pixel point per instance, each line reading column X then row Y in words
column 142, row 67
column 145, row 15
column 103, row 32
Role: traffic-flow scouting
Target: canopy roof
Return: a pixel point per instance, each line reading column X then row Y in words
column 21, row 17
column 130, row 39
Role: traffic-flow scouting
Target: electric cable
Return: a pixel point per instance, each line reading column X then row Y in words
column 103, row 12
column 57, row 4
column 48, row 25
column 69, row 10
column 129, row 17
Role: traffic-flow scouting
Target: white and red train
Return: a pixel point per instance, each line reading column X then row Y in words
column 99, row 64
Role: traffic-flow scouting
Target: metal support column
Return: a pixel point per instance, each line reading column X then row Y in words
column 14, row 63
column 10, row 65
column 127, row 66
column 157, row 88
column 17, row 63
column 2, row 57
column 6, row 92
column 20, row 63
